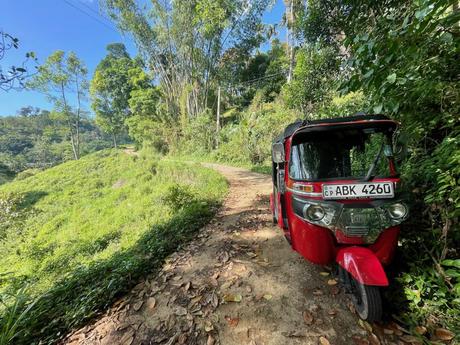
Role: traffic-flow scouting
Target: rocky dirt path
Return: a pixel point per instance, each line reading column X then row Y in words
column 237, row 283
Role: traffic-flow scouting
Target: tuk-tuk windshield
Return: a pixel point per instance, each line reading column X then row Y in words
column 341, row 154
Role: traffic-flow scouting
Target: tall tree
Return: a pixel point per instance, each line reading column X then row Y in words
column 63, row 80
column 182, row 42
column 145, row 124
column 110, row 90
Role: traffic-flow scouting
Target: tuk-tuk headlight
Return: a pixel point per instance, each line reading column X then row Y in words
column 314, row 212
column 397, row 211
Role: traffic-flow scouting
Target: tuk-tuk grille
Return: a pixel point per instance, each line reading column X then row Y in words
column 356, row 231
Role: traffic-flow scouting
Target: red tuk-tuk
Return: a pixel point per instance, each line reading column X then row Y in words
column 335, row 195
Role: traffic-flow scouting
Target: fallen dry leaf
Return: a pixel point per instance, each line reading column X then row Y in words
column 359, row 340
column 127, row 338
column 324, row 274
column 268, row 297
column 410, row 339
column 315, row 308
column 365, row 325
column 232, row 321
column 263, row 263
column 332, row 312
column 395, row 328
column 138, row 305
column 332, row 282
column 420, row 330
column 208, row 326
column 211, row 340
column 180, row 311
column 214, row 282
column 233, row 298
column 308, row 318
column 182, row 339
column 225, row 257
column 444, row 334
column 388, row 331
column 324, row 341
column 374, row 340
column 214, row 300
column 351, row 307
column 151, row 303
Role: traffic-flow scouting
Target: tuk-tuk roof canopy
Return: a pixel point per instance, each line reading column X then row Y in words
column 300, row 124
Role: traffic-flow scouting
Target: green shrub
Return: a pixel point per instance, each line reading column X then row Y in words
column 27, row 173
column 11, row 213
column 249, row 141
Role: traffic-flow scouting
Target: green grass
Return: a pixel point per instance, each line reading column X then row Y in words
column 89, row 229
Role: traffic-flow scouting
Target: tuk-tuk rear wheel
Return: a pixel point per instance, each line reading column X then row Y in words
column 367, row 301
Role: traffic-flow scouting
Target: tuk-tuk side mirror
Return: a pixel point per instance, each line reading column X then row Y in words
column 278, row 153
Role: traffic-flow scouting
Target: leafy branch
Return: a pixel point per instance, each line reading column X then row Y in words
column 13, row 77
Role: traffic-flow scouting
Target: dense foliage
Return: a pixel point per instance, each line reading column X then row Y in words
column 83, row 232
column 403, row 55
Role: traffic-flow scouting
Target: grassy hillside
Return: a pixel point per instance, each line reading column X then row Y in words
column 84, row 231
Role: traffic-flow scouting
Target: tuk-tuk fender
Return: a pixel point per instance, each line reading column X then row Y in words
column 363, row 265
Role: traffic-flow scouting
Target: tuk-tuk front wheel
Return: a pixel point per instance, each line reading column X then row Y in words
column 367, row 301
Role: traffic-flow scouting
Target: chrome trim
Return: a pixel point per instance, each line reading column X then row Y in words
column 298, row 192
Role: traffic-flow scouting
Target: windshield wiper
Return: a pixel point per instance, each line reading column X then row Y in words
column 374, row 164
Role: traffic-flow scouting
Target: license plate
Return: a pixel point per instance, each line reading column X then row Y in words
column 358, row 190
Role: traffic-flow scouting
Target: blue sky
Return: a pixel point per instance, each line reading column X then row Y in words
column 69, row 25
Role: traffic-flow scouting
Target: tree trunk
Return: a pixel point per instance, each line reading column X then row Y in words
column 76, row 154
column 74, row 148
column 77, row 120
column 218, row 118
column 114, row 138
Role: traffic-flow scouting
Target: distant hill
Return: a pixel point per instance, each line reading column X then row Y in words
column 41, row 141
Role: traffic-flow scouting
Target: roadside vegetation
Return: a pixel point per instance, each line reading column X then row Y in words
column 76, row 236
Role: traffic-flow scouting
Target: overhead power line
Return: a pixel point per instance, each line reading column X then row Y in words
column 97, row 13
column 89, row 15
column 253, row 81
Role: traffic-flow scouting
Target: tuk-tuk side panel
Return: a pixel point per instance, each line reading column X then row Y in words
column 313, row 242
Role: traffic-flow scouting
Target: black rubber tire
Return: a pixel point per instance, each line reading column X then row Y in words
column 368, row 304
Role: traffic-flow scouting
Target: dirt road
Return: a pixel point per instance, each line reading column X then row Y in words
column 238, row 283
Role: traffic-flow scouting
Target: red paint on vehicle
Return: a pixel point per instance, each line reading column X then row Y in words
column 363, row 265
